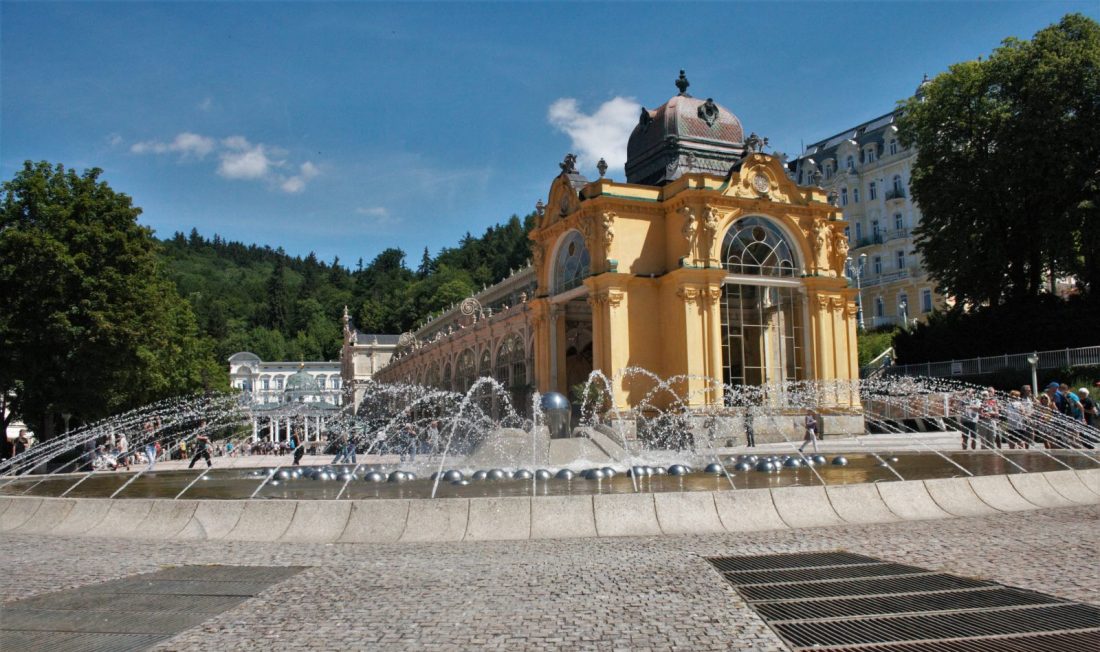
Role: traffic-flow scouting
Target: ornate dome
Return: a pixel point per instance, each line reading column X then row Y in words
column 685, row 134
column 301, row 382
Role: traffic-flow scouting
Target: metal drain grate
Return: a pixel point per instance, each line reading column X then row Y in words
column 133, row 613
column 845, row 602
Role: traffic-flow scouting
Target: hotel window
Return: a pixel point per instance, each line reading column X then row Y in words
column 859, row 230
column 880, row 307
column 848, row 233
column 843, row 196
column 874, row 228
column 901, row 258
column 899, row 222
column 893, row 147
column 855, row 195
column 279, row 382
column 851, row 162
column 897, row 184
column 266, row 383
column 926, row 300
column 872, row 191
column 878, row 264
column 320, row 382
column 871, row 154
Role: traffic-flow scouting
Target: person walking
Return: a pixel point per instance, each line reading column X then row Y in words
column 811, row 432
column 202, row 449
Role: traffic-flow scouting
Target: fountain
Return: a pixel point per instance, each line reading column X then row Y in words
column 415, row 443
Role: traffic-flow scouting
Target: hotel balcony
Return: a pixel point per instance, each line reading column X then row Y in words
column 895, row 194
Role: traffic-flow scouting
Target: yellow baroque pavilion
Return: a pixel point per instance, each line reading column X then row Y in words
column 709, row 264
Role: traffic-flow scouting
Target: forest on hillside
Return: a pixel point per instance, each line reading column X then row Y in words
column 254, row 298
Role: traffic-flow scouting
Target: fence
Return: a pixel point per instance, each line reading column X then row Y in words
column 1058, row 359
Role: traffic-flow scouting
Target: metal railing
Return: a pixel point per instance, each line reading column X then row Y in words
column 895, row 193
column 1056, row 359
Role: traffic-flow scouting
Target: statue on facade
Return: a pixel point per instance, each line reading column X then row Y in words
column 820, row 243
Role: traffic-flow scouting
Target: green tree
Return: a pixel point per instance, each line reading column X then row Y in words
column 278, row 312
column 88, row 324
column 1006, row 168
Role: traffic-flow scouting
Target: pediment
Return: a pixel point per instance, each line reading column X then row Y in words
column 562, row 201
column 760, row 176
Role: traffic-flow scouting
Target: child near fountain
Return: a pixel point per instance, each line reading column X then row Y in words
column 811, row 432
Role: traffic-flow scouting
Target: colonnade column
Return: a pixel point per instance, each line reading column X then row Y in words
column 714, row 336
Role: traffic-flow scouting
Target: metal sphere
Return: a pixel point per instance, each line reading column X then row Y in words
column 565, row 474
column 295, row 474
column 498, row 474
column 637, row 472
column 819, row 459
column 347, row 477
column 840, row 460
column 677, row 469
column 714, row 468
column 594, row 474
column 480, row 475
column 765, row 466
column 543, row 474
column 409, row 475
column 452, row 475
column 608, row 472
column 284, row 475
column 522, row 474
column 398, row 476
column 792, row 463
column 553, row 401
column 374, row 476
column 743, row 466
column 660, row 470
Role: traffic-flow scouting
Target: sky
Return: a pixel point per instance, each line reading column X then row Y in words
column 348, row 128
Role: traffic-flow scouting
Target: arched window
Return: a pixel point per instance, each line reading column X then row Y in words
column 511, row 370
column 872, row 191
column 897, row 185
column 465, row 370
column 431, row 379
column 572, row 264
column 855, row 195
column 893, row 146
column 485, row 365
column 880, row 307
column 851, row 163
column 755, row 246
column 447, row 382
column 843, row 196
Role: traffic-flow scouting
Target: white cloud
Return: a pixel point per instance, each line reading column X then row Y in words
column 377, row 216
column 244, row 160
column 297, row 182
column 602, row 134
column 186, row 144
column 206, row 104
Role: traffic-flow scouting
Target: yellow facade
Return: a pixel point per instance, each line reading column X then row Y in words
column 657, row 277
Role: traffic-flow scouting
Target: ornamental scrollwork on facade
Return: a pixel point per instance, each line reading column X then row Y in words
column 836, row 304
column 714, row 294
column 853, row 308
column 688, row 294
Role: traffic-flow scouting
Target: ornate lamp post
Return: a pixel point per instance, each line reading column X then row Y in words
column 903, row 313
column 856, row 272
column 1033, row 360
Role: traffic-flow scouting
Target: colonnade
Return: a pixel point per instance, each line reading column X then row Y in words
column 280, row 428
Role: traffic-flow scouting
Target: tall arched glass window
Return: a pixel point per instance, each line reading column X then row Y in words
column 465, row 370
column 572, row 264
column 755, row 246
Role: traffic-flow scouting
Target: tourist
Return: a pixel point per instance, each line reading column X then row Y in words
column 181, row 449
column 1044, row 413
column 971, row 413
column 750, row 430
column 202, row 449
column 811, row 432
column 1014, row 418
column 21, row 442
column 990, row 414
column 124, row 451
column 1088, row 404
column 1075, row 412
column 299, row 451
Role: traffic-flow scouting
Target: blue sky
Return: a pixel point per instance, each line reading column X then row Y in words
column 346, row 128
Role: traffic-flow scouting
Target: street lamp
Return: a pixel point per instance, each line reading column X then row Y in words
column 1033, row 360
column 903, row 312
column 856, row 272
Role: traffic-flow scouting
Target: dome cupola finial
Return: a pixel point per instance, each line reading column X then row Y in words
column 682, row 83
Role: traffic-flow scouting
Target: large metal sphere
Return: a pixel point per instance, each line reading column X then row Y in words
column 714, row 468
column 522, row 474
column 677, row 469
column 819, row 459
column 409, row 475
column 398, row 476
column 792, row 463
column 660, row 470
column 284, row 475
column 347, row 477
column 543, row 474
column 765, row 466
column 480, row 475
column 497, row 474
column 558, row 415
column 608, row 472
column 743, row 466
column 594, row 474
column 840, row 460
column 452, row 475
column 637, row 472
column 295, row 474
column 374, row 476
column 564, row 474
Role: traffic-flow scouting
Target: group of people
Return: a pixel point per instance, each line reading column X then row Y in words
column 1059, row 417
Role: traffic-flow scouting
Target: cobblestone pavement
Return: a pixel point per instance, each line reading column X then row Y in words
column 601, row 594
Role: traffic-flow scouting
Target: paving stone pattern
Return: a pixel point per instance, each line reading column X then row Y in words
column 639, row 593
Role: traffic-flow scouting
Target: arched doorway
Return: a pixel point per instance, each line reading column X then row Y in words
column 572, row 265
column 762, row 309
